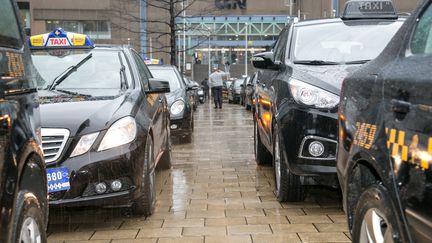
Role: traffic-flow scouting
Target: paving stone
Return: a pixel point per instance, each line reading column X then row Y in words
column 249, row 229
column 267, row 220
column 225, row 221
column 278, row 238
column 208, row 230
column 228, row 239
column 157, row 233
column 231, row 213
column 153, row 240
column 185, row 239
column 183, row 223
column 336, row 227
column 70, row 236
column 292, row 228
column 114, row 234
column 205, row 214
column 324, row 237
column 309, row 219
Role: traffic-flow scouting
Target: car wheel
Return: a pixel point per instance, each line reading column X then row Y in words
column 165, row 160
column 29, row 226
column 288, row 187
column 145, row 204
column 374, row 219
column 262, row 155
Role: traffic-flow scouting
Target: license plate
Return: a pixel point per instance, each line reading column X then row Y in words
column 58, row 179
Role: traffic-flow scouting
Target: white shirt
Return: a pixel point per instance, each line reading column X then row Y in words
column 216, row 78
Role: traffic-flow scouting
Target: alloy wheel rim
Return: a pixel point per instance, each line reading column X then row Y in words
column 375, row 228
column 30, row 231
column 277, row 166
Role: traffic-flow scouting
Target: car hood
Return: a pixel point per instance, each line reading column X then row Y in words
column 175, row 95
column 81, row 115
column 329, row 77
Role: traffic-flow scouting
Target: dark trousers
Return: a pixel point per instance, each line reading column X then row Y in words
column 217, row 95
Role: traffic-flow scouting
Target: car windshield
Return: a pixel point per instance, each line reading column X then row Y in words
column 341, row 42
column 169, row 75
column 102, row 70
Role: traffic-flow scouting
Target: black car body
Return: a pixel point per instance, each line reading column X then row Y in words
column 250, row 90
column 105, row 124
column 180, row 101
column 298, row 93
column 243, row 86
column 385, row 150
column 23, row 191
column 234, row 91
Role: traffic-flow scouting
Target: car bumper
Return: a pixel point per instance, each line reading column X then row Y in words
column 181, row 127
column 123, row 163
column 299, row 128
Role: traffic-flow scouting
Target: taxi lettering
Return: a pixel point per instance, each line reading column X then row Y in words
column 371, row 5
column 57, row 42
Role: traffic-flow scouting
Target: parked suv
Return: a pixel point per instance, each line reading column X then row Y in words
column 23, row 184
column 298, row 93
column 385, row 140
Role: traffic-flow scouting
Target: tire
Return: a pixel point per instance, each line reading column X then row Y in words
column 375, row 211
column 165, row 161
column 29, row 226
column 288, row 187
column 262, row 155
column 145, row 203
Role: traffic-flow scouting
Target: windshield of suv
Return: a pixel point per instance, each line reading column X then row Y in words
column 341, row 43
column 102, row 71
column 169, row 75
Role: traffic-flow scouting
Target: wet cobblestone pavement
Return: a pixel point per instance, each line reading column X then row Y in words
column 214, row 192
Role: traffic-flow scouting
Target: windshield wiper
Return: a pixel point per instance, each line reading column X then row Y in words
column 72, row 92
column 316, row 62
column 123, row 78
column 66, row 73
column 357, row 62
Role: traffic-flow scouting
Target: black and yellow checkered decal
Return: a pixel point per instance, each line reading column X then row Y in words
column 409, row 149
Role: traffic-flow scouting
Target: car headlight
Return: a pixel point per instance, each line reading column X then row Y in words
column 84, row 144
column 177, row 107
column 121, row 132
column 310, row 95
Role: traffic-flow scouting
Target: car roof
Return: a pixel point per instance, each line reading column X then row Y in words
column 158, row 66
column 339, row 20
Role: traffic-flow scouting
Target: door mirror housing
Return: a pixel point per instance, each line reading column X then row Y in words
column 158, row 86
column 264, row 60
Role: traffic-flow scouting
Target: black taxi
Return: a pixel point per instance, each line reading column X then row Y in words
column 105, row 122
column 385, row 149
column 297, row 95
column 23, row 190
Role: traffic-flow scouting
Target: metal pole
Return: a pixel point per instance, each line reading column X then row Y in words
column 151, row 47
column 291, row 7
column 143, row 27
column 184, row 35
column 246, row 50
column 209, row 65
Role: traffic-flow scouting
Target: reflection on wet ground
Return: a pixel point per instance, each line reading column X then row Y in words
column 214, row 192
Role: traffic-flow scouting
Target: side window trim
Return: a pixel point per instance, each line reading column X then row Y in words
column 144, row 79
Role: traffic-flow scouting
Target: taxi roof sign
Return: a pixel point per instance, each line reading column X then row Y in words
column 60, row 39
column 369, row 9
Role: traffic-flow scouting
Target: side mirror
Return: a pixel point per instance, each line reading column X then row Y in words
column 264, row 61
column 242, row 85
column 192, row 87
column 158, row 86
column 27, row 31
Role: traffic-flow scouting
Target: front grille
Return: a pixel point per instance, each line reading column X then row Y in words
column 53, row 142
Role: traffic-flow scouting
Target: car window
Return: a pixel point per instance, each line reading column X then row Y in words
column 342, row 42
column 169, row 75
column 421, row 42
column 101, row 71
column 9, row 30
column 143, row 70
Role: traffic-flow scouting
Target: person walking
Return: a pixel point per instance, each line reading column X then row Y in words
column 205, row 85
column 216, row 83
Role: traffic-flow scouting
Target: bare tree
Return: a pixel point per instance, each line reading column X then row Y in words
column 165, row 25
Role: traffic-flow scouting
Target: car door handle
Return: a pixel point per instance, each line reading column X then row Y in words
column 400, row 106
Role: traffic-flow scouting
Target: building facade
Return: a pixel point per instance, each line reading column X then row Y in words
column 208, row 31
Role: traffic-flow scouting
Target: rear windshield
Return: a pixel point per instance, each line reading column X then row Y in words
column 101, row 71
column 341, row 42
column 169, row 75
